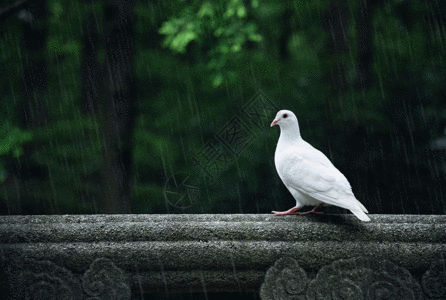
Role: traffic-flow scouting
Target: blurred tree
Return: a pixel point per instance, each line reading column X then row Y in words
column 337, row 48
column 365, row 50
column 33, row 108
column 90, row 73
column 119, row 109
column 285, row 33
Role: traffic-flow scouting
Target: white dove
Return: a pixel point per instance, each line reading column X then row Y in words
column 308, row 174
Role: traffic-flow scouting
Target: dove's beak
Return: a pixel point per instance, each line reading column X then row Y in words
column 274, row 122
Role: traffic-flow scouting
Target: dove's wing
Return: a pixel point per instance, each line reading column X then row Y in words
column 307, row 172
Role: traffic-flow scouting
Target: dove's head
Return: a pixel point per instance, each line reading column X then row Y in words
column 285, row 119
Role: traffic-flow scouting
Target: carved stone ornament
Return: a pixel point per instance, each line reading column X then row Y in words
column 39, row 280
column 434, row 280
column 104, row 280
column 285, row 280
column 355, row 278
column 361, row 278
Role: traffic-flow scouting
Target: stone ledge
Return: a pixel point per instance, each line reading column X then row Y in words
column 104, row 255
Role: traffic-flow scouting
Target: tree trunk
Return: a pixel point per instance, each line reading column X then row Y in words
column 285, row 34
column 365, row 54
column 335, row 23
column 32, row 110
column 119, row 106
column 90, row 67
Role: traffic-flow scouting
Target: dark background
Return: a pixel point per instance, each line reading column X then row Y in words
column 165, row 106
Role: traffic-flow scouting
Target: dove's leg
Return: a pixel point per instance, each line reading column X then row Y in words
column 314, row 210
column 291, row 211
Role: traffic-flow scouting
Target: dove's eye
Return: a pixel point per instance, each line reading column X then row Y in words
column 285, row 116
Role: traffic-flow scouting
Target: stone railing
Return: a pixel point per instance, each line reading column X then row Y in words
column 290, row 257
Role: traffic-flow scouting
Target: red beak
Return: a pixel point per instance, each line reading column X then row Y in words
column 274, row 122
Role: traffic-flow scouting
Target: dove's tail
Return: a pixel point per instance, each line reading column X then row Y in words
column 362, row 207
column 359, row 213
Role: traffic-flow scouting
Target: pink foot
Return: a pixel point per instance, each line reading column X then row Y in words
column 291, row 211
column 314, row 210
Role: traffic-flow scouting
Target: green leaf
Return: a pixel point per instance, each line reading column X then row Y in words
column 255, row 37
column 206, row 10
column 218, row 80
column 229, row 13
column 236, row 48
column 182, row 40
column 167, row 28
column 241, row 12
column 219, row 31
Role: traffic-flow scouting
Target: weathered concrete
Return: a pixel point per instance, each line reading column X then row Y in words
column 105, row 255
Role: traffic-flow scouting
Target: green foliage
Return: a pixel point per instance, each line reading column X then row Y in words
column 56, row 46
column 12, row 140
column 226, row 25
column 70, row 144
column 180, row 32
column 71, row 151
